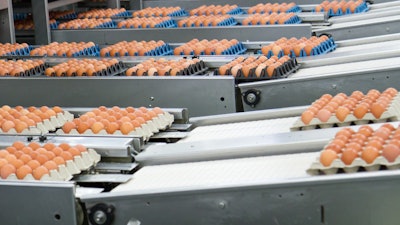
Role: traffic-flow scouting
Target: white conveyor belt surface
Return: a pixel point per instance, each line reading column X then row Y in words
column 240, row 130
column 219, row 173
column 356, row 67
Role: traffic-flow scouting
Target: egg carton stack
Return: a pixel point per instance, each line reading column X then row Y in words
column 32, row 120
column 120, row 121
column 216, row 10
column 8, row 49
column 336, row 8
column 135, row 48
column 260, row 68
column 363, row 150
column 207, row 21
column 342, row 110
column 86, row 24
column 302, row 47
column 213, row 47
column 86, row 67
column 275, row 7
column 46, row 162
column 65, row 14
column 271, row 19
column 104, row 13
column 160, row 11
column 21, row 68
column 65, row 49
column 148, row 22
column 163, row 67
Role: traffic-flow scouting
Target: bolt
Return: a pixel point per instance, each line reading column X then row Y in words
column 100, row 217
column 221, row 204
column 251, row 97
column 334, row 86
column 151, row 98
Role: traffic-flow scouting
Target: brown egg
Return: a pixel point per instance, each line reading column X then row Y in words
column 327, row 157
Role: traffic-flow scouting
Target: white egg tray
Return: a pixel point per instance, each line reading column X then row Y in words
column 337, row 165
column 391, row 114
column 46, row 125
column 161, row 122
column 71, row 167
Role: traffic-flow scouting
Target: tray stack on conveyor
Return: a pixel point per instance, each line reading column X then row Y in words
column 103, row 13
column 342, row 110
column 258, row 68
column 136, row 48
column 213, row 47
column 64, row 14
column 86, row 67
column 8, row 49
column 302, row 47
column 21, row 68
column 274, row 7
column 160, row 11
column 47, row 162
column 164, row 67
column 66, row 49
column 216, row 10
column 32, row 120
column 147, row 22
column 141, row 121
column 336, row 8
column 271, row 19
column 87, row 24
column 207, row 21
column 27, row 24
column 364, row 149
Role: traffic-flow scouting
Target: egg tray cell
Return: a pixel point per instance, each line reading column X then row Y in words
column 65, row 172
column 46, row 126
column 36, row 71
column 20, row 52
column 363, row 7
column 148, row 129
column 113, row 70
column 199, row 68
column 163, row 50
column 227, row 22
column 323, row 48
column 391, row 114
column 280, row 72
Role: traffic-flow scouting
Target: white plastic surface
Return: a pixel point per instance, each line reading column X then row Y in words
column 220, row 173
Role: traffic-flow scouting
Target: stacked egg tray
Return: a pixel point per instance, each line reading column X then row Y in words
column 327, row 44
column 27, row 24
column 47, row 162
column 32, row 120
column 85, row 24
column 373, row 113
column 276, row 7
column 104, row 13
column 21, row 68
column 262, row 69
column 66, row 49
column 163, row 11
column 217, row 10
column 271, row 19
column 162, row 67
column 150, row 22
column 333, row 9
column 66, row 15
column 120, row 121
column 207, row 21
column 357, row 151
column 15, row 49
column 86, row 67
column 213, row 47
column 135, row 48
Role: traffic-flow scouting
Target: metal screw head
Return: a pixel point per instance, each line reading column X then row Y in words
column 221, row 204
column 100, row 217
column 151, row 98
column 251, row 97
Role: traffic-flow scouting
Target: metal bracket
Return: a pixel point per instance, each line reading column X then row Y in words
column 252, row 97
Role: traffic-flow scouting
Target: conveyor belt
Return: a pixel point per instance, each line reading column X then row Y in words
column 222, row 173
column 240, row 130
